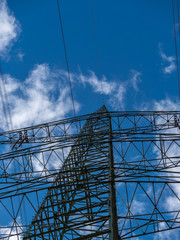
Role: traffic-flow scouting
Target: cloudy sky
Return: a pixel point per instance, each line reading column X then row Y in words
column 135, row 68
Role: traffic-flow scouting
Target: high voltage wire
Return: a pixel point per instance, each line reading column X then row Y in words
column 8, row 118
column 5, row 102
column 9, row 122
column 79, row 180
column 65, row 52
column 97, row 50
column 83, row 183
column 178, row 17
column 175, row 41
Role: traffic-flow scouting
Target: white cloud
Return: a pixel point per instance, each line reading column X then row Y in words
column 101, row 86
column 166, row 104
column 170, row 150
column 167, row 60
column 117, row 100
column 13, row 231
column 20, row 55
column 166, row 235
column 138, row 207
column 171, row 202
column 135, row 79
column 115, row 90
column 9, row 28
column 42, row 97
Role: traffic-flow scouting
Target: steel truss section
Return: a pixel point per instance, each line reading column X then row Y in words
column 107, row 175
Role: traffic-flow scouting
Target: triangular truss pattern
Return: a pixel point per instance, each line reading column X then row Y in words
column 108, row 175
column 76, row 205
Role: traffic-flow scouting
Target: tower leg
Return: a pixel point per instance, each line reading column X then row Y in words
column 113, row 220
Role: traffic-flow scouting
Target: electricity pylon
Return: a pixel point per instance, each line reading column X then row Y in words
column 107, row 175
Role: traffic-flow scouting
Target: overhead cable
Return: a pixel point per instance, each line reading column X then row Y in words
column 178, row 13
column 65, row 52
column 176, row 48
column 97, row 50
column 4, row 101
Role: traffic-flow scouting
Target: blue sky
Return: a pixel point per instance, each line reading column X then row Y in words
column 136, row 54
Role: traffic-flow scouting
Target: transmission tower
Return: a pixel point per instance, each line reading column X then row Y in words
column 107, row 175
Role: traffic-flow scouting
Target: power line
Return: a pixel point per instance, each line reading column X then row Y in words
column 175, row 41
column 178, row 17
column 9, row 123
column 97, row 50
column 65, row 52
column 4, row 101
column 8, row 118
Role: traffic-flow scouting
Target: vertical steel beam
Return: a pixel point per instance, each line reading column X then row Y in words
column 113, row 220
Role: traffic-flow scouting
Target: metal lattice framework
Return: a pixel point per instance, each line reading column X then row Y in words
column 108, row 175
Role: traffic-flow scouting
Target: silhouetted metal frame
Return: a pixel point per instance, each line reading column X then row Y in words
column 113, row 220
column 100, row 134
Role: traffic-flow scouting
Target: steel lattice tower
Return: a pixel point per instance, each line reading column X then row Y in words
column 107, row 175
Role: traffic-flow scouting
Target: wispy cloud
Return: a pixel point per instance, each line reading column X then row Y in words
column 169, row 61
column 166, row 235
column 37, row 99
column 13, row 231
column 20, row 56
column 117, row 99
column 138, row 207
column 114, row 90
column 135, row 79
column 171, row 151
column 9, row 28
column 44, row 95
column 166, row 104
column 101, row 86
